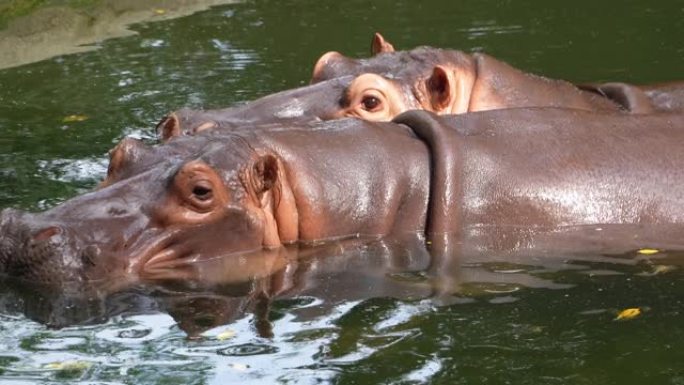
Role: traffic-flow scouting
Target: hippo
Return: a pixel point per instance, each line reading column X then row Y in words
column 441, row 81
column 218, row 193
column 454, row 82
column 315, row 102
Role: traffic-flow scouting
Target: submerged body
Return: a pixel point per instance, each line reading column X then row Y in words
column 213, row 194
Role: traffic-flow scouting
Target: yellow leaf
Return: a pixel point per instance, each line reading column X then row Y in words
column 74, row 118
column 648, row 251
column 628, row 314
column 68, row 365
column 226, row 335
column 160, row 11
column 661, row 269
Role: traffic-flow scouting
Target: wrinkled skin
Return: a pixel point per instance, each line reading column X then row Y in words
column 211, row 195
column 453, row 82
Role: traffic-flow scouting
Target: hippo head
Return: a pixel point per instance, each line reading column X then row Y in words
column 158, row 209
column 325, row 100
column 337, row 97
column 391, row 82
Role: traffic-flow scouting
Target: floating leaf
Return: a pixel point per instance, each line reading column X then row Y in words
column 648, row 251
column 628, row 314
column 69, row 365
column 658, row 269
column 160, row 11
column 74, row 118
column 226, row 335
column 661, row 269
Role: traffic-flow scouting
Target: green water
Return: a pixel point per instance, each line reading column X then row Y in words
column 535, row 323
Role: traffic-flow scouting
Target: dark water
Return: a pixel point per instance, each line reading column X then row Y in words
column 363, row 313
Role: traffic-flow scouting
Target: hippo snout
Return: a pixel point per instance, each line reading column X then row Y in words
column 35, row 251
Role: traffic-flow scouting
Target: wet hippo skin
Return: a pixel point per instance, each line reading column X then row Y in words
column 304, row 104
column 452, row 82
column 438, row 80
column 216, row 193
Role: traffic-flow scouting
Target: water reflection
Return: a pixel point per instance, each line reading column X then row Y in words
column 495, row 265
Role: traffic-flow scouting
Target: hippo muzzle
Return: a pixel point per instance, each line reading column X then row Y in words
column 36, row 251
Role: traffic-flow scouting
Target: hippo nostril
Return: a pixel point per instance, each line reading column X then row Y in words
column 46, row 233
column 117, row 211
column 90, row 255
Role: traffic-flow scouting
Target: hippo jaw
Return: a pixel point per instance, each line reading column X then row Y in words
column 167, row 250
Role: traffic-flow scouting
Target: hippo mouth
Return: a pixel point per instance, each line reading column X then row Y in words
column 161, row 252
column 170, row 251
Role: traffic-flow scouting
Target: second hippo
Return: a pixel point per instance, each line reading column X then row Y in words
column 453, row 82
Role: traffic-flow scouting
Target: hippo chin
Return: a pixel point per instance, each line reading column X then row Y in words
column 215, row 194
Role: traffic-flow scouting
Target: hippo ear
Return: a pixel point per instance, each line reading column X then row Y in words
column 169, row 127
column 264, row 174
column 276, row 200
column 128, row 151
column 441, row 88
column 327, row 60
column 449, row 89
column 380, row 45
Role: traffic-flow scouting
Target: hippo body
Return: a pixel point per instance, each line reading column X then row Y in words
column 196, row 198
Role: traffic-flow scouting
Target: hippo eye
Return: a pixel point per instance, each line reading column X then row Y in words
column 370, row 103
column 202, row 192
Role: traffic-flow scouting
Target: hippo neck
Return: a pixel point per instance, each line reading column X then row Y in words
column 499, row 85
